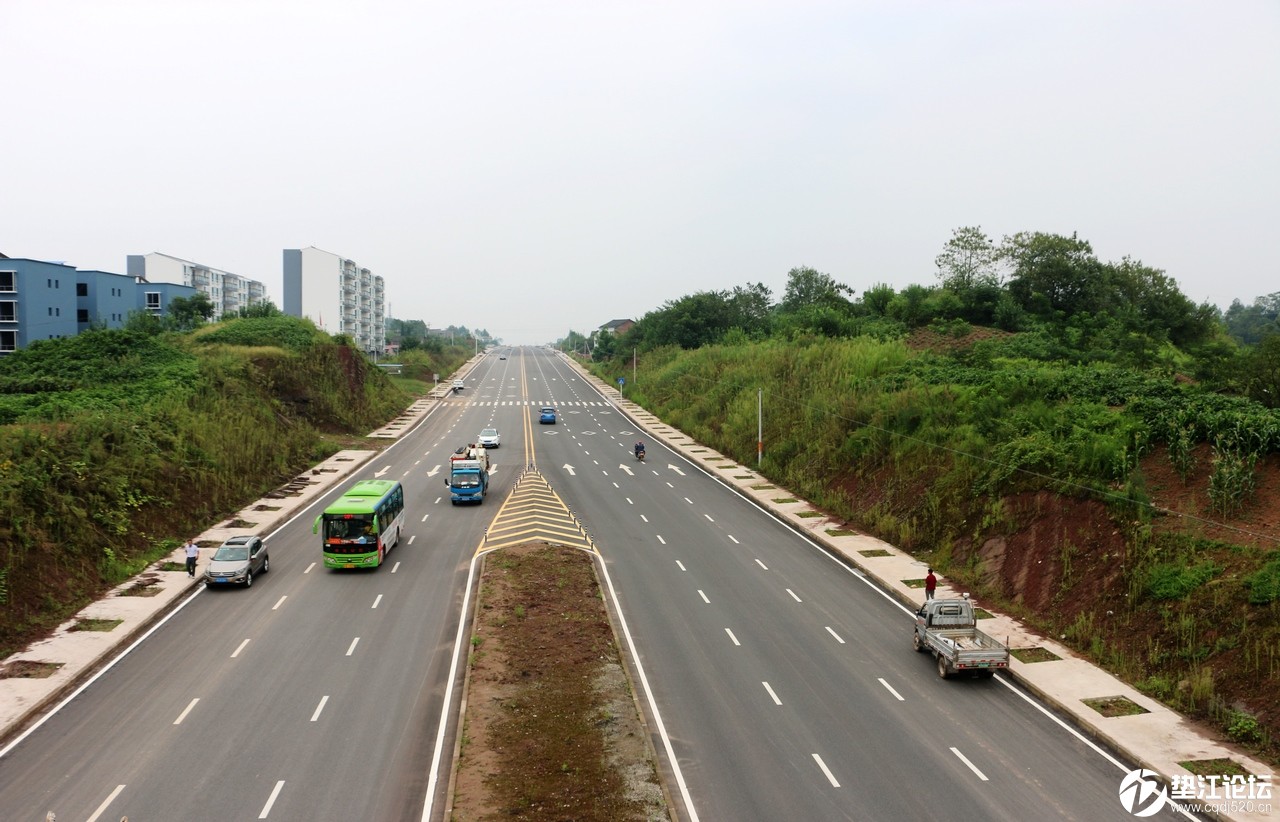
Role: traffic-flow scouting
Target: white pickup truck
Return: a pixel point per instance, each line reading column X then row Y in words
column 948, row 629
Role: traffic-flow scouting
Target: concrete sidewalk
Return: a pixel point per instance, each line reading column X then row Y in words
column 1157, row 739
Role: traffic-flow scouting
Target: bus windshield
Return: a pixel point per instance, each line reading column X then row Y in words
column 349, row 528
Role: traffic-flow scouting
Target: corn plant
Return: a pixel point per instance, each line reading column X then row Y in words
column 1232, row 482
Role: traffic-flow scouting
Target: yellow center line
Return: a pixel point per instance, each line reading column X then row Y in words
column 536, row 512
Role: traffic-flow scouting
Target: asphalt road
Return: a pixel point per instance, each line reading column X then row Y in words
column 787, row 683
column 313, row 695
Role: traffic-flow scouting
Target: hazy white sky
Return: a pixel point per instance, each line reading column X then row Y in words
column 540, row 166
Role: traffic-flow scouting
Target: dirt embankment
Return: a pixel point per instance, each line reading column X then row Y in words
column 550, row 731
column 1065, row 564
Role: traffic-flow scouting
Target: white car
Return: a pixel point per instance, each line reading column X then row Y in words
column 489, row 438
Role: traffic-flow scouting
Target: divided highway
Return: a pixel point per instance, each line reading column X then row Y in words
column 786, row 682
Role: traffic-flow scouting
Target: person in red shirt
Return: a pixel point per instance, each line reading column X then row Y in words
column 930, row 585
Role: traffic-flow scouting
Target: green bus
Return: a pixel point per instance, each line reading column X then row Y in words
column 362, row 526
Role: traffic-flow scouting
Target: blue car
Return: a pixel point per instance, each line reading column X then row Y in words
column 548, row 416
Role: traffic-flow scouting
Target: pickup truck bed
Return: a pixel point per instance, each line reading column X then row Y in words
column 948, row 630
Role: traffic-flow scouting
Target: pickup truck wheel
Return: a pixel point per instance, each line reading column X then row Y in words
column 943, row 670
column 916, row 643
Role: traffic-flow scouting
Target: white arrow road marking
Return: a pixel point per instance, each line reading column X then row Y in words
column 677, row 470
column 569, row 468
column 625, row 468
column 384, row 470
column 433, row 471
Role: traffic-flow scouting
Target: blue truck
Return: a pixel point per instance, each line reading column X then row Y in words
column 468, row 480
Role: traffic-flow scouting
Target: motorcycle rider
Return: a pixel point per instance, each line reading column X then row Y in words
column 639, row 449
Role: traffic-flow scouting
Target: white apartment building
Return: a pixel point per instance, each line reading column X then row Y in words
column 337, row 295
column 228, row 292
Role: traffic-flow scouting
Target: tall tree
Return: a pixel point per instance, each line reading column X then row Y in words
column 809, row 288
column 750, row 309
column 1053, row 273
column 968, row 260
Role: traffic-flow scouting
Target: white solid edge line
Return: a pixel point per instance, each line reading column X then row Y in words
column 1081, row 737
column 648, row 692
column 22, row 736
column 437, row 753
column 105, row 803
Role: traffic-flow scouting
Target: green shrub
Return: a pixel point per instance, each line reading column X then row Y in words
column 1175, row 581
column 1264, row 584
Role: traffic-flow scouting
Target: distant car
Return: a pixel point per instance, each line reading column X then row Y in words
column 236, row 561
column 458, row 385
column 502, row 356
column 548, row 416
column 489, row 438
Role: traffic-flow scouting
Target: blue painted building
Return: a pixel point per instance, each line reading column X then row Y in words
column 37, row 302
column 104, row 299
column 42, row 300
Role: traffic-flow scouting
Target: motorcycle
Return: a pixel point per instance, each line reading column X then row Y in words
column 640, row 455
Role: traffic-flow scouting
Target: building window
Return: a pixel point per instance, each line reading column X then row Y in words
column 82, row 315
column 8, row 280
column 8, row 340
column 82, row 289
column 8, row 311
column 153, row 300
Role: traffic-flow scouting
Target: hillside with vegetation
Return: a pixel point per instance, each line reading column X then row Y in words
column 1072, row 440
column 117, row 444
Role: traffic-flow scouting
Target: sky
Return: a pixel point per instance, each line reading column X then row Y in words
column 531, row 168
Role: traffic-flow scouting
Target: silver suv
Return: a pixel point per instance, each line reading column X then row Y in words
column 236, row 561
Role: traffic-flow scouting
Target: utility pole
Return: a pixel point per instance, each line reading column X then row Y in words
column 759, row 426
